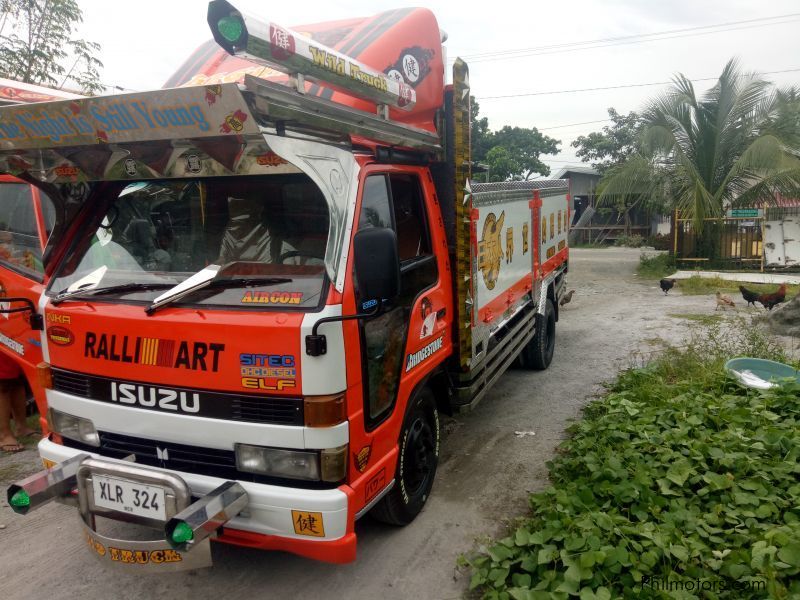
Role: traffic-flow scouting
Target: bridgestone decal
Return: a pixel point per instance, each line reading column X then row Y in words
column 422, row 355
column 12, row 344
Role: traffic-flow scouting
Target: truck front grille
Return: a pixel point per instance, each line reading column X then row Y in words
column 181, row 457
column 213, row 404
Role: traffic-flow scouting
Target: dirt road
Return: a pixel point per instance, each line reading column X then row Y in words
column 491, row 458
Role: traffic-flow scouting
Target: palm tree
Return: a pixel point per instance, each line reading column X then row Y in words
column 738, row 144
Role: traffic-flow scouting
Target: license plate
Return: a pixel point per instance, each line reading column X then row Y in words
column 129, row 497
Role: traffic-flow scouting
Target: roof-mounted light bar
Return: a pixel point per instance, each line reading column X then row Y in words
column 286, row 50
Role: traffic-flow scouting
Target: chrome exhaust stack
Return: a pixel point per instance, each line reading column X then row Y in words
column 55, row 483
column 203, row 518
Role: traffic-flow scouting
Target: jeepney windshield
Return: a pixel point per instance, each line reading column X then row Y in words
column 271, row 231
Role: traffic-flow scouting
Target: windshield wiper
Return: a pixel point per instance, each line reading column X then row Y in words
column 238, row 282
column 110, row 289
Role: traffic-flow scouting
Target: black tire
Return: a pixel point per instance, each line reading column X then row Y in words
column 538, row 353
column 416, row 463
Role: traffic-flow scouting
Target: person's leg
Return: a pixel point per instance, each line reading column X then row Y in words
column 18, row 402
column 8, row 442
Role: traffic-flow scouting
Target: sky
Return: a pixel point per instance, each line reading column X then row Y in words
column 143, row 42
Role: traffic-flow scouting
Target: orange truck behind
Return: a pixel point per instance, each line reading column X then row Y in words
column 29, row 230
column 273, row 288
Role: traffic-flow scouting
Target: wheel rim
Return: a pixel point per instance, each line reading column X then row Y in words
column 419, row 456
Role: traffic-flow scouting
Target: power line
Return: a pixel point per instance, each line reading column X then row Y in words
column 633, row 39
column 614, row 87
column 572, row 124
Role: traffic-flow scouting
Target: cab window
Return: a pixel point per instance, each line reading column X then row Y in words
column 20, row 244
column 394, row 201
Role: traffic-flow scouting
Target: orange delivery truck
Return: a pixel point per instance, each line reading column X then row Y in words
column 29, row 231
column 281, row 275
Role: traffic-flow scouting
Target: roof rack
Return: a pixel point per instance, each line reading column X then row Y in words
column 288, row 109
column 273, row 45
column 303, row 59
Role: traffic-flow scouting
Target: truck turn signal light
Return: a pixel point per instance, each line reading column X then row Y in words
column 324, row 411
column 44, row 375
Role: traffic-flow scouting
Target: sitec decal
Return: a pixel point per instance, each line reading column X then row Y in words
column 155, row 352
column 273, row 372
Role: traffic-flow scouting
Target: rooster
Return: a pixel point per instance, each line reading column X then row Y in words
column 724, row 301
column 773, row 299
column 749, row 297
column 666, row 285
column 567, row 297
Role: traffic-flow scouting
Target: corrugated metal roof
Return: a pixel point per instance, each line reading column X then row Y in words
column 532, row 184
column 562, row 172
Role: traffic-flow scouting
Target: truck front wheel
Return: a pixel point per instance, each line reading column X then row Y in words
column 416, row 463
column 538, row 353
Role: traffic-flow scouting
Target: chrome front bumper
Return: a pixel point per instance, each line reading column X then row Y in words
column 71, row 482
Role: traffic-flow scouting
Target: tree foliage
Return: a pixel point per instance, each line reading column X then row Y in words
column 38, row 45
column 735, row 145
column 510, row 152
column 612, row 145
column 502, row 164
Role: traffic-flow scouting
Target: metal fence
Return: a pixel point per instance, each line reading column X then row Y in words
column 730, row 242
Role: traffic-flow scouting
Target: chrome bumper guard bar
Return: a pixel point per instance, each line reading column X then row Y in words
column 55, row 483
column 188, row 529
column 204, row 518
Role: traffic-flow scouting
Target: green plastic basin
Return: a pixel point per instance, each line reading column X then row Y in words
column 760, row 374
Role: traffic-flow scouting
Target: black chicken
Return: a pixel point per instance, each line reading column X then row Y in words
column 749, row 297
column 666, row 285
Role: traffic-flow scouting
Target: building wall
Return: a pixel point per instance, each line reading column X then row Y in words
column 581, row 184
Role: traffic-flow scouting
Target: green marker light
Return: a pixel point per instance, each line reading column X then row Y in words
column 20, row 499
column 182, row 533
column 231, row 28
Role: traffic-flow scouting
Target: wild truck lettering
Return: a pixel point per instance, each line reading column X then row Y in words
column 193, row 356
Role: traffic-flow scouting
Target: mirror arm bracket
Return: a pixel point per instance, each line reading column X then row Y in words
column 37, row 321
column 317, row 344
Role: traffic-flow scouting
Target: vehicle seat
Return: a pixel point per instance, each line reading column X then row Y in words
column 246, row 237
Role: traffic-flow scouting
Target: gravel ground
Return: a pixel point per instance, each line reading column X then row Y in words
column 491, row 458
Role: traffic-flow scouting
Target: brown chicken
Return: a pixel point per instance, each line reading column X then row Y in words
column 567, row 297
column 773, row 299
column 724, row 301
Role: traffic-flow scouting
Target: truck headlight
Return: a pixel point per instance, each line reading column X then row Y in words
column 75, row 428
column 278, row 462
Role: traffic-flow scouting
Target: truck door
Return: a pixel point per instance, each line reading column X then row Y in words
column 26, row 220
column 395, row 200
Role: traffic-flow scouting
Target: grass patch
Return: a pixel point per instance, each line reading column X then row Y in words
column 656, row 266
column 676, row 475
column 697, row 286
column 697, row 317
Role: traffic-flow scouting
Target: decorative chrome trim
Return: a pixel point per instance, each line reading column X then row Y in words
column 375, row 500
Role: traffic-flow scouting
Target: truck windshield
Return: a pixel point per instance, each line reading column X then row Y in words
column 270, row 231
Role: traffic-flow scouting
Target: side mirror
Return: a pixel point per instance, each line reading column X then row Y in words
column 376, row 263
column 377, row 274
